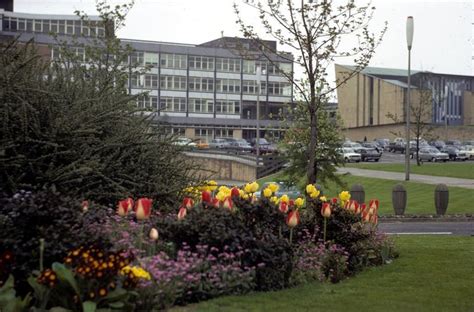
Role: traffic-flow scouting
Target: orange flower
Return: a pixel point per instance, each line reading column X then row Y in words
column 124, row 206
column 188, row 202
column 143, row 208
column 283, row 207
column 326, row 210
column 182, row 213
column 293, row 219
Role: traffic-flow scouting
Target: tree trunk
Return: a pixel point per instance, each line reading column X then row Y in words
column 312, row 168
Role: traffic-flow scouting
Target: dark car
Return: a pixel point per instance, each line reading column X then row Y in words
column 367, row 154
column 383, row 143
column 439, row 144
column 264, row 146
column 454, row 153
column 239, row 146
column 453, row 142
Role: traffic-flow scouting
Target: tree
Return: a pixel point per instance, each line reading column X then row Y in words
column 314, row 32
column 70, row 123
column 421, row 108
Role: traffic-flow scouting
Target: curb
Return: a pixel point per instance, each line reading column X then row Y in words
column 426, row 218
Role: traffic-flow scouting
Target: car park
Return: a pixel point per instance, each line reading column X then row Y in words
column 349, row 155
column 439, row 144
column 218, row 143
column 453, row 142
column 264, row 146
column 383, row 143
column 454, row 153
column 432, row 154
column 367, row 154
column 373, row 145
column 469, row 150
column 240, row 146
column 185, row 142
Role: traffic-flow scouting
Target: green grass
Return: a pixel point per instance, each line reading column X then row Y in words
column 463, row 170
column 433, row 273
column 420, row 195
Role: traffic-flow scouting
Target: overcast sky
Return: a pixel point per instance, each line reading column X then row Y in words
column 443, row 39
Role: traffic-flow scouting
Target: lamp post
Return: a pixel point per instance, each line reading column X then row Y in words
column 407, row 104
column 257, row 142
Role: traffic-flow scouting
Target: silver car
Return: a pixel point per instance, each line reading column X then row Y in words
column 432, row 154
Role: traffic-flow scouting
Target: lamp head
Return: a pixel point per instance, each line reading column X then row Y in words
column 409, row 32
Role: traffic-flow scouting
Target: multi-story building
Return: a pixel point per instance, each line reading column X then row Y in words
column 201, row 91
column 367, row 99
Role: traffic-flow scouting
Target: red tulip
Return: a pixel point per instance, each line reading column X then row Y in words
column 124, row 206
column 235, row 192
column 353, row 206
column 293, row 218
column 291, row 203
column 334, row 200
column 374, row 205
column 365, row 216
column 215, row 202
column 374, row 219
column 227, row 203
column 283, row 207
column 188, row 202
column 143, row 208
column 326, row 210
column 206, row 197
column 363, row 208
column 182, row 213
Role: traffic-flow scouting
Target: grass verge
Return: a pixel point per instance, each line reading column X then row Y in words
column 464, row 170
column 433, row 273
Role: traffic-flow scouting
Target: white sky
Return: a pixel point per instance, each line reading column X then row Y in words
column 443, row 37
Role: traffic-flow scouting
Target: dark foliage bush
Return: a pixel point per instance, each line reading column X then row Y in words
column 28, row 217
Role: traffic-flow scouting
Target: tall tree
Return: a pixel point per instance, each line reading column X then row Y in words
column 314, row 31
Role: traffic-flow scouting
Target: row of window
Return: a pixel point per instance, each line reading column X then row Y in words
column 203, row 84
column 196, row 105
column 68, row 27
column 178, row 61
column 208, row 134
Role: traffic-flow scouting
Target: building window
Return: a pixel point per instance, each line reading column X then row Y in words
column 151, row 81
column 224, row 133
column 279, row 88
column 203, row 133
column 173, row 82
column 149, row 102
column 228, row 85
column 173, row 61
column 201, row 106
column 201, row 84
column 138, row 81
column 227, row 107
column 137, row 58
column 151, row 59
column 173, row 104
column 201, row 62
column 228, row 65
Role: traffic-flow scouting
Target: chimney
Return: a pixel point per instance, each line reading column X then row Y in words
column 7, row 5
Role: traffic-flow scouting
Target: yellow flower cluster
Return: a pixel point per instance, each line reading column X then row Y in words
column 312, row 191
column 194, row 192
column 223, row 193
column 270, row 190
column 251, row 187
column 299, row 202
column 136, row 271
column 344, row 196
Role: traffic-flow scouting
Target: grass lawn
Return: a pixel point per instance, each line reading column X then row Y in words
column 433, row 273
column 420, row 195
column 463, row 170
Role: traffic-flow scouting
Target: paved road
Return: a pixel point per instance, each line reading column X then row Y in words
column 400, row 176
column 433, row 228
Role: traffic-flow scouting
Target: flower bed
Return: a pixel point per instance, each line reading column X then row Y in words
column 219, row 241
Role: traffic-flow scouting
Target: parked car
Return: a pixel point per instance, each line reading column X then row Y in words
column 367, row 154
column 395, row 147
column 453, row 142
column 349, row 155
column 352, row 145
column 202, row 144
column 264, row 146
column 439, row 144
column 240, row 146
column 384, row 143
column 454, row 153
column 469, row 150
column 186, row 142
column 218, row 143
column 373, row 145
column 468, row 142
column 432, row 154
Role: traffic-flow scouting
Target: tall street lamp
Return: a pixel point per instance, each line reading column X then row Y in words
column 407, row 104
column 257, row 142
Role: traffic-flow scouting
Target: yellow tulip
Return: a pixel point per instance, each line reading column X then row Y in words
column 273, row 187
column 245, row 196
column 254, row 186
column 310, row 188
column 299, row 202
column 248, row 188
column 241, row 193
column 212, row 185
column 221, row 196
column 284, row 198
column 267, row 192
column 274, row 199
column 344, row 196
column 323, row 199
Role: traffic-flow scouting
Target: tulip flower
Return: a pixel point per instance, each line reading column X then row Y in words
column 206, row 196
column 283, row 207
column 291, row 203
column 212, row 185
column 310, row 188
column 85, row 205
column 334, row 200
column 374, row 205
column 284, row 198
column 293, row 218
column 366, row 216
column 344, row 196
column 221, row 196
column 374, row 219
column 153, row 234
column 248, row 188
column 267, row 192
column 314, row 194
column 188, row 202
column 323, row 199
column 235, row 192
column 274, row 199
column 299, row 202
column 182, row 213
column 363, row 207
column 273, row 187
column 353, row 206
column 143, row 208
column 124, row 206
column 215, row 202
column 254, row 187
column 227, row 203
column 326, row 210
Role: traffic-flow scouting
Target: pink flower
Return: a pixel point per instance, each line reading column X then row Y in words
column 188, row 202
column 182, row 213
column 143, row 208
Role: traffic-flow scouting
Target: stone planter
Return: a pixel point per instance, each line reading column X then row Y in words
column 441, row 197
column 399, row 199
